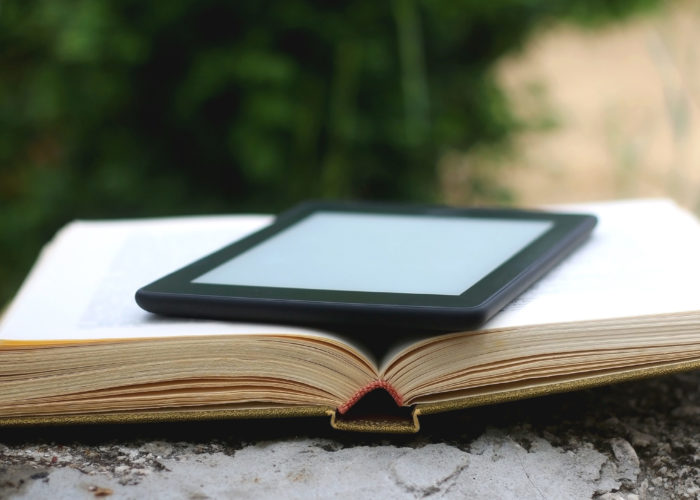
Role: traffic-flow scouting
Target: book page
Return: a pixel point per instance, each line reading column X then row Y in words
column 642, row 259
column 83, row 286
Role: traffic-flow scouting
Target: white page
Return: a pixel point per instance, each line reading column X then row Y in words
column 643, row 258
column 82, row 287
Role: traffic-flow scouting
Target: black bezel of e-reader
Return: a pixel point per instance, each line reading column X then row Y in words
column 177, row 295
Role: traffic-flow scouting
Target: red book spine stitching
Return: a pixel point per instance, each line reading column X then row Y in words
column 377, row 384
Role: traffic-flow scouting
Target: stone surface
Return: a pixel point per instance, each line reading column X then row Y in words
column 631, row 441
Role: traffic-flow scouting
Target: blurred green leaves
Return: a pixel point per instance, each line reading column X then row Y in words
column 124, row 108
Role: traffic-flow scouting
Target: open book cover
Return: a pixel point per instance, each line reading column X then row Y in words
column 75, row 347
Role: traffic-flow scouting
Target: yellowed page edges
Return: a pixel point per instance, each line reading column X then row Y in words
column 556, row 387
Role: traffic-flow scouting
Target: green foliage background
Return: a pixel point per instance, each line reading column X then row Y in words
column 116, row 108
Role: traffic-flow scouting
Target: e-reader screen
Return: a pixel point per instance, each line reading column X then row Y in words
column 379, row 253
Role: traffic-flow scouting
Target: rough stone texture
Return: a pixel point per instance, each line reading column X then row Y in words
column 632, row 441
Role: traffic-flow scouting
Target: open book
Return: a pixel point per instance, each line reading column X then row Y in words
column 75, row 347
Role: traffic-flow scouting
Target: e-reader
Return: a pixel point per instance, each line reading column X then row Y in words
column 347, row 264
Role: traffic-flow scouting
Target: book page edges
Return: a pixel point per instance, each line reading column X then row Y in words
column 374, row 424
column 546, row 388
